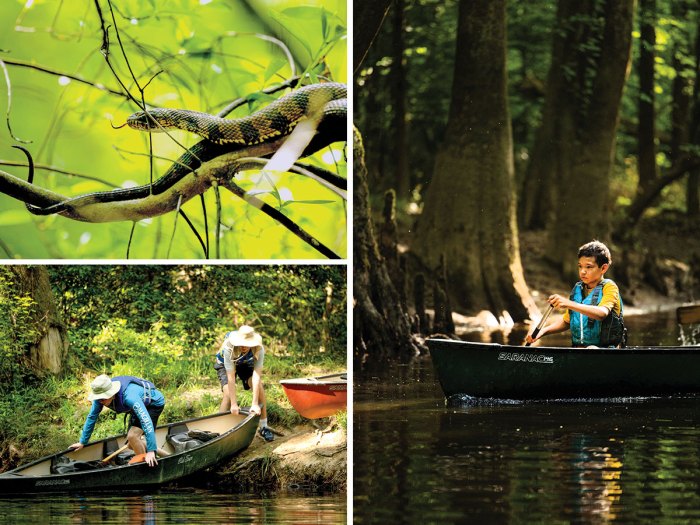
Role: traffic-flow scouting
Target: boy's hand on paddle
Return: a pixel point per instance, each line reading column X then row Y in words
column 557, row 301
column 530, row 339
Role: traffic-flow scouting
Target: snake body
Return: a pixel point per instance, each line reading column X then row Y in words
column 277, row 119
column 266, row 126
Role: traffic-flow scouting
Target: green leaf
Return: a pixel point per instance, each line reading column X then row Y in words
column 13, row 217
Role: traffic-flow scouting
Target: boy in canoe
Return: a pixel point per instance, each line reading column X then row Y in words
column 127, row 394
column 242, row 354
column 593, row 311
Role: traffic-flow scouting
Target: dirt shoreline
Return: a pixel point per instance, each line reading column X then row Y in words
column 301, row 459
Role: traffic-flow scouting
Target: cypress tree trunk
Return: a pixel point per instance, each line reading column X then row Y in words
column 469, row 212
column 382, row 326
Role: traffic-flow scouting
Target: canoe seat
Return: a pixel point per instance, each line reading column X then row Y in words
column 66, row 465
column 190, row 439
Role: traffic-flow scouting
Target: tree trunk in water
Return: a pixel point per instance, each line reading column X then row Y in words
column 49, row 351
column 382, row 326
column 469, row 213
column 646, row 131
column 598, row 35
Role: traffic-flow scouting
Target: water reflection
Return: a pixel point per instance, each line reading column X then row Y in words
column 418, row 458
column 174, row 507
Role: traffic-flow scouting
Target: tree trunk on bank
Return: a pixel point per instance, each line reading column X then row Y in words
column 48, row 352
column 540, row 184
column 368, row 17
column 646, row 131
column 469, row 213
column 597, row 37
column 381, row 324
column 399, row 89
column 693, row 189
column 682, row 98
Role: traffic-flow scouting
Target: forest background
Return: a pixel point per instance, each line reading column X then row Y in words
column 508, row 133
column 63, row 325
column 65, row 86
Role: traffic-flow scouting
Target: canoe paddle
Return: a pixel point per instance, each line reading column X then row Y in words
column 541, row 323
column 115, row 453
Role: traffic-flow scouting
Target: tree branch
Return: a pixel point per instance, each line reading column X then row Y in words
column 644, row 200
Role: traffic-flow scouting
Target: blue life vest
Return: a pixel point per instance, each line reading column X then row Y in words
column 586, row 331
column 118, row 404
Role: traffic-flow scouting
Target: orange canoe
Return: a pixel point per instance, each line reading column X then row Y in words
column 317, row 397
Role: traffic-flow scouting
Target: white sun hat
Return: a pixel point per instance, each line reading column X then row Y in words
column 245, row 336
column 103, row 388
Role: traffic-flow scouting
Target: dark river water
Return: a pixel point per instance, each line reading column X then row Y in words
column 184, row 506
column 420, row 459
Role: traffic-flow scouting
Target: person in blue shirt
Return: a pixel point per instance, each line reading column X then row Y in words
column 127, row 394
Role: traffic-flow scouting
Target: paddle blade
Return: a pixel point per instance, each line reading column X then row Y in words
column 139, row 458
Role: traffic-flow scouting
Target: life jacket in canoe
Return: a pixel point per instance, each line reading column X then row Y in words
column 585, row 331
column 148, row 391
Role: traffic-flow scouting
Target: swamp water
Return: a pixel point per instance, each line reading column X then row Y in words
column 420, row 459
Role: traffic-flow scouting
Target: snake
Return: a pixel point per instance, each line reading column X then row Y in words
column 273, row 122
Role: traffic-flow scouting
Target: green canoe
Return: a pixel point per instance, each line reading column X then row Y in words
column 191, row 445
column 517, row 372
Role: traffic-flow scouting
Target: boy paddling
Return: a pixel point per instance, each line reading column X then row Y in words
column 594, row 308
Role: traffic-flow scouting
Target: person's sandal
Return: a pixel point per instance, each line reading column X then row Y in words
column 266, row 434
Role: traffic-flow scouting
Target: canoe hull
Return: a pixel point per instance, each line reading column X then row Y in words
column 238, row 432
column 517, row 372
column 317, row 397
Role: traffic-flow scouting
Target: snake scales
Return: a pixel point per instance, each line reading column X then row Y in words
column 267, row 125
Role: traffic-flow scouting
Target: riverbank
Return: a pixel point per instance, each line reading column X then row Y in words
column 302, row 458
column 311, row 458
column 309, row 455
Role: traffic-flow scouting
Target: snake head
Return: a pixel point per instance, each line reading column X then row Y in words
column 153, row 121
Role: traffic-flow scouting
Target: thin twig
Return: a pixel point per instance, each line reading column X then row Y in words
column 43, row 69
column 9, row 104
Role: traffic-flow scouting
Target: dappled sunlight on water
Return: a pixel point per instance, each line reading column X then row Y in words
column 194, row 507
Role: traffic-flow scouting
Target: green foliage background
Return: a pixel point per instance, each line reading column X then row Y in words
column 164, row 323
column 210, row 53
column 429, row 58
